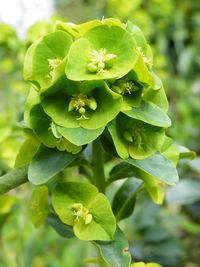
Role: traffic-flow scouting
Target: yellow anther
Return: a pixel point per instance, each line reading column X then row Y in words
column 82, row 212
column 52, row 64
column 80, row 102
column 100, row 60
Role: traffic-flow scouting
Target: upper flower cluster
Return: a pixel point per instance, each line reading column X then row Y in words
column 91, row 77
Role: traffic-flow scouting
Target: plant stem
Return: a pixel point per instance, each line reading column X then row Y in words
column 13, row 179
column 98, row 165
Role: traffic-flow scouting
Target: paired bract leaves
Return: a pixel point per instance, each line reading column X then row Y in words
column 64, row 101
column 45, row 58
column 135, row 138
column 89, row 212
column 95, row 43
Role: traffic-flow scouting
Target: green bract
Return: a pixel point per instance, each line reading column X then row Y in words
column 135, row 138
column 90, row 105
column 99, row 58
column 89, row 212
column 45, row 58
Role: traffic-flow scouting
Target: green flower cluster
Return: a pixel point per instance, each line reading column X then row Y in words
column 92, row 77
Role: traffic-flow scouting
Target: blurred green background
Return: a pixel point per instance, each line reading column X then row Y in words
column 167, row 234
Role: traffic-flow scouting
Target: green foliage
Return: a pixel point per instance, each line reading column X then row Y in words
column 38, row 206
column 94, row 83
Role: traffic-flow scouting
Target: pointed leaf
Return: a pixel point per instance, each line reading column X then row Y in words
column 157, row 166
column 79, row 136
column 47, row 163
column 61, row 228
column 149, row 113
column 125, row 198
column 115, row 252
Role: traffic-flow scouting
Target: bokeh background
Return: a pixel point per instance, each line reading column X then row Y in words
column 167, row 234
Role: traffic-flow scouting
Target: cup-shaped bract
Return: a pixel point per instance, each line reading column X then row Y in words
column 94, row 57
column 129, row 89
column 46, row 59
column 47, row 133
column 135, row 138
column 83, row 207
column 89, row 104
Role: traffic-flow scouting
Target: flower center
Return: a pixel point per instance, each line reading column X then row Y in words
column 100, row 60
column 124, row 87
column 53, row 63
column 135, row 135
column 80, row 102
column 82, row 212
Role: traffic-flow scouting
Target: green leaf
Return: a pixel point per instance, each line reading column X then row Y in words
column 185, row 153
column 142, row 72
column 80, row 136
column 61, row 228
column 170, row 151
column 37, row 64
column 186, row 192
column 47, row 132
column 26, row 152
column 115, row 252
column 125, row 198
column 38, row 206
column 142, row 264
column 157, row 97
column 149, row 113
column 138, row 36
column 84, row 27
column 32, row 99
column 47, row 163
column 153, row 187
column 97, row 39
column 89, row 212
column 158, row 167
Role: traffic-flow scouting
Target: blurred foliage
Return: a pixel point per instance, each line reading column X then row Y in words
column 168, row 234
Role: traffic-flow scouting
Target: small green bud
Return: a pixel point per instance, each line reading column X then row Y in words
column 92, row 67
column 71, row 105
column 81, row 110
column 109, row 60
column 88, row 218
column 116, row 89
column 127, row 136
column 92, row 104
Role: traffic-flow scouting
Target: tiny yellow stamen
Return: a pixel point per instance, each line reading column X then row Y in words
column 82, row 212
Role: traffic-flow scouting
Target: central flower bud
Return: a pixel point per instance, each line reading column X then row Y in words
column 134, row 135
column 124, row 87
column 100, row 60
column 82, row 212
column 80, row 102
column 53, row 63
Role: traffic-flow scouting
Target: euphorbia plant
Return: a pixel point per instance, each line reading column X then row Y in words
column 94, row 99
